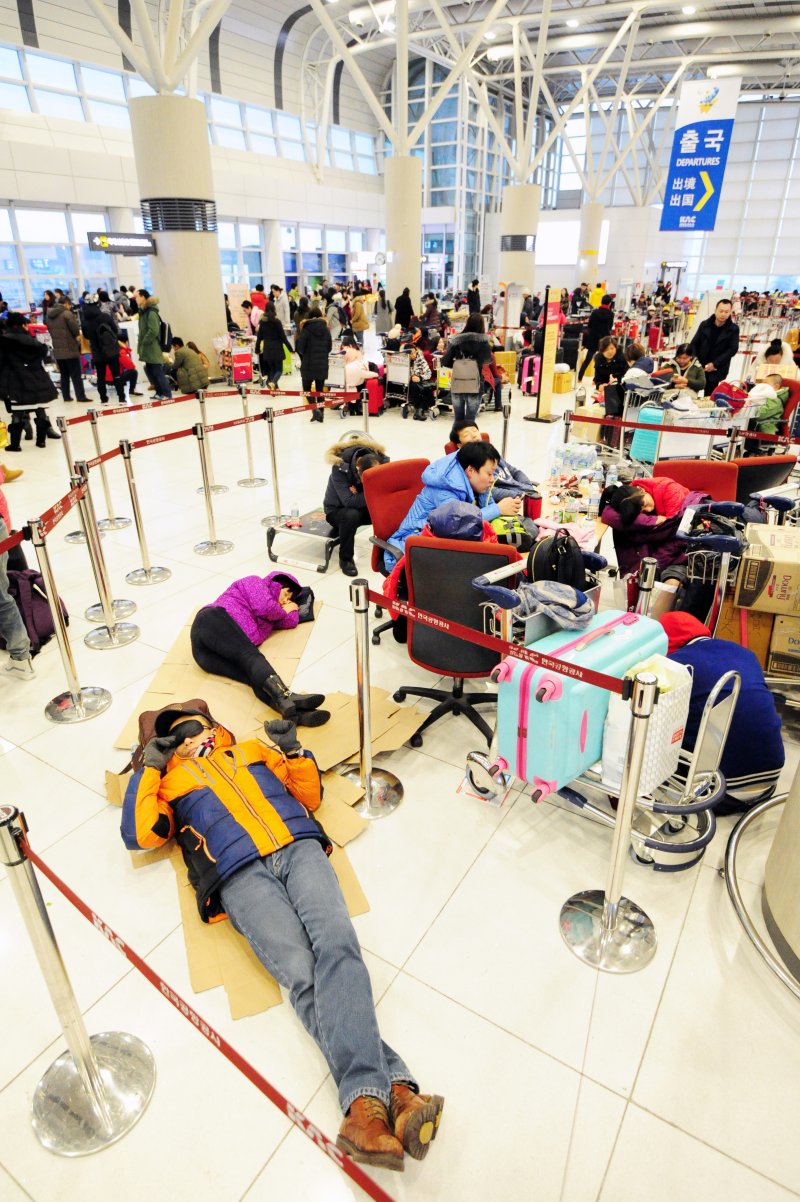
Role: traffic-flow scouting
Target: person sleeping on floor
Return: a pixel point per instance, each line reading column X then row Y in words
column 227, row 634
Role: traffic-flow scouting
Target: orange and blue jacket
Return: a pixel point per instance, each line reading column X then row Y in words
column 237, row 804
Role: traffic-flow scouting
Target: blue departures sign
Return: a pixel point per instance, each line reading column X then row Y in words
column 704, row 128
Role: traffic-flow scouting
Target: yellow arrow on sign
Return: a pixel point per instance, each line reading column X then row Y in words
column 709, row 191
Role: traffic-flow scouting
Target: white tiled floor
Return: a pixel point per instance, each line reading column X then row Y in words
column 678, row 1084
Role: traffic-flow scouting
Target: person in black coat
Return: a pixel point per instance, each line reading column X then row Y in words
column 598, row 326
column 714, row 344
column 100, row 329
column 609, row 363
column 313, row 344
column 270, row 341
column 25, row 386
column 474, row 297
column 404, row 309
column 345, row 504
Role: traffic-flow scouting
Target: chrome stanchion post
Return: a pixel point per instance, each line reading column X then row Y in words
column 365, row 410
column 250, row 480
column 278, row 517
column 110, row 632
column 733, row 439
column 605, row 929
column 567, row 425
column 214, row 488
column 75, row 536
column 212, row 545
column 382, row 790
column 146, row 574
column 107, row 523
column 647, row 579
column 76, row 704
column 506, row 420
column 94, row 1093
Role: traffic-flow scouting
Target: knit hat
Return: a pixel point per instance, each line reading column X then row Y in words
column 681, row 628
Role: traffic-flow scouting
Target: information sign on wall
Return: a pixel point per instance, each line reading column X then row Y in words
column 703, row 132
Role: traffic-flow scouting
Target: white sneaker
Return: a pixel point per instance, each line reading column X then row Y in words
column 20, row 669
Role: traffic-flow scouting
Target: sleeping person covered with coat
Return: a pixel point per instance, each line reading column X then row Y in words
column 227, row 634
column 644, row 517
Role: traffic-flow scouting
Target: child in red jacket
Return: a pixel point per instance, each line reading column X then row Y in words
column 127, row 371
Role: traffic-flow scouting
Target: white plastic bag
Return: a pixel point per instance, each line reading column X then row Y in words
column 665, row 732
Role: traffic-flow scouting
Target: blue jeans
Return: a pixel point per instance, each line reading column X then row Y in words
column 158, row 378
column 465, row 404
column 12, row 626
column 290, row 909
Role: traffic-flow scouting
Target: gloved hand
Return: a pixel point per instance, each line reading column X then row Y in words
column 284, row 735
column 158, row 752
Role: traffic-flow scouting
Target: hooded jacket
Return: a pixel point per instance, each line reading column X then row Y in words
column 191, row 373
column 252, row 602
column 226, row 810
column 24, row 383
column 64, row 328
column 468, row 346
column 344, row 457
column 359, row 321
column 313, row 344
column 149, row 345
column 100, row 330
column 443, row 480
column 646, row 536
column 270, row 341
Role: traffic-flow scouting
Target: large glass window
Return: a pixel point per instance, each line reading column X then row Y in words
column 15, row 97
column 226, row 112
column 9, row 63
column 41, row 225
column 259, row 120
column 55, row 104
column 104, row 84
column 109, row 114
column 51, row 72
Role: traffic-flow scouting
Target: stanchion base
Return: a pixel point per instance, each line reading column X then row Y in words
column 629, row 947
column 385, row 795
column 220, row 546
column 64, row 1118
column 276, row 519
column 148, row 576
column 77, row 536
column 91, row 701
column 252, row 482
column 113, row 523
column 215, row 488
column 120, row 609
column 103, row 638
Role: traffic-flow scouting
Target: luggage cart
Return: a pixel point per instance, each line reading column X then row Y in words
column 335, row 374
column 310, row 525
column 398, row 376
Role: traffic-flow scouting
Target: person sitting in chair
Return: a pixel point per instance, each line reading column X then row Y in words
column 507, row 477
column 345, row 504
column 467, row 474
column 242, row 815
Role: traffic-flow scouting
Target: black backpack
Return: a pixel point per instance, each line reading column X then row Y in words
column 165, row 336
column 558, row 558
column 27, row 590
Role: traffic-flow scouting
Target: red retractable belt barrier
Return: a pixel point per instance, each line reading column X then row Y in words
column 151, row 442
column 339, row 1158
column 714, row 431
column 235, row 421
column 78, row 421
column 52, row 516
column 13, row 540
column 104, row 458
column 447, row 626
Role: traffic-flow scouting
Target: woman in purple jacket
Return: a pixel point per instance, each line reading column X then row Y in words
column 227, row 634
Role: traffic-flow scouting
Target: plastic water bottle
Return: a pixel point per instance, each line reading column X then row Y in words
column 593, row 508
column 612, row 476
column 294, row 518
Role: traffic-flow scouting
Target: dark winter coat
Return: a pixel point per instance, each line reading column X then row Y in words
column 715, row 344
column 270, row 341
column 64, row 328
column 345, row 457
column 99, row 329
column 313, row 344
column 24, row 383
column 604, row 368
column 598, row 326
column 468, row 346
column 403, row 311
column 474, row 299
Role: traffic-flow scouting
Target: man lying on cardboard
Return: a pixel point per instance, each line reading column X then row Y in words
column 242, row 816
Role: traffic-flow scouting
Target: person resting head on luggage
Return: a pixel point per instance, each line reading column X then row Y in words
column 644, row 517
column 506, row 476
column 640, row 365
column 754, row 753
column 465, row 475
column 257, row 855
column 773, row 395
column 226, row 636
column 345, row 504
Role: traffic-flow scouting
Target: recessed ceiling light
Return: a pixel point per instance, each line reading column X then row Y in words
column 572, row 23
column 490, row 36
column 688, row 9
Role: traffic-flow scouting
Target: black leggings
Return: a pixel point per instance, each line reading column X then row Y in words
column 220, row 646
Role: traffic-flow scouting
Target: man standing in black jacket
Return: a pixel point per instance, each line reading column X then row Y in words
column 474, row 297
column 715, row 343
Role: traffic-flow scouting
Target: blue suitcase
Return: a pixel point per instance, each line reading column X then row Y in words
column 644, row 446
column 549, row 726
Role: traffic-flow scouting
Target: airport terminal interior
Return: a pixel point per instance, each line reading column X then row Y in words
column 574, row 179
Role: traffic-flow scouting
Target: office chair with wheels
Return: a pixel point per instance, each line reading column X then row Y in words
column 439, row 573
column 390, row 490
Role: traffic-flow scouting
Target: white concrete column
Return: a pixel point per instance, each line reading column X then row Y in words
column 273, row 254
column 402, row 182
column 173, row 163
column 124, row 268
column 519, row 220
column 589, row 244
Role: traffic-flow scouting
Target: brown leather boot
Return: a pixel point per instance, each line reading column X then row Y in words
column 415, row 1118
column 366, row 1136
